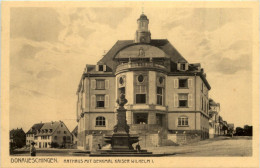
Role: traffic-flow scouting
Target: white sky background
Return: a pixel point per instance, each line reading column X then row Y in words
column 50, row 47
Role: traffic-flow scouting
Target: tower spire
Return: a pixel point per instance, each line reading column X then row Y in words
column 142, row 34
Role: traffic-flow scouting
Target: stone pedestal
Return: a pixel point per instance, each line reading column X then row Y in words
column 121, row 141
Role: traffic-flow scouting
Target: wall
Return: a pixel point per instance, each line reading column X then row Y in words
column 171, row 91
column 84, row 98
column 92, row 142
column 61, row 134
column 29, row 139
column 193, row 118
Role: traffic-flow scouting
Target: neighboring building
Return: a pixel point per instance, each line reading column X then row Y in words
column 223, row 126
column 32, row 132
column 53, row 134
column 214, row 127
column 75, row 135
column 167, row 96
column 17, row 138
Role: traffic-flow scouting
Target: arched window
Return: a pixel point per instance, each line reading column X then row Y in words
column 100, row 121
column 183, row 121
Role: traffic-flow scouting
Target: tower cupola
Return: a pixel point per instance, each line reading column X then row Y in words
column 142, row 34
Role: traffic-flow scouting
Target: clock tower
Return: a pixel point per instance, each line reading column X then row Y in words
column 142, row 34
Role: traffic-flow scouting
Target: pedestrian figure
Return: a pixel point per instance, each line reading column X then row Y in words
column 33, row 149
column 99, row 146
column 138, row 147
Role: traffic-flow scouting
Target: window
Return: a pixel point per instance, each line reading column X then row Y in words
column 68, row 138
column 122, row 90
column 58, row 132
column 159, row 95
column 182, row 66
column 183, row 100
column 183, row 83
column 65, row 132
column 100, row 84
column 100, row 121
column 100, row 100
column 202, row 103
column 161, row 80
column 140, row 78
column 140, row 118
column 183, row 121
column 140, row 98
column 121, row 80
column 140, row 94
column 55, row 138
column 100, row 67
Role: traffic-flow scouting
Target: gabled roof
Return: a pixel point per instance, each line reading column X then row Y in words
column 34, row 128
column 47, row 126
column 75, row 131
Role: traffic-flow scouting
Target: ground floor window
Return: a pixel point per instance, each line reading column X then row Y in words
column 141, row 118
column 100, row 121
column 140, row 98
column 183, row 121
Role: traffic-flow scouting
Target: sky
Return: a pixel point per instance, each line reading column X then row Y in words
column 49, row 48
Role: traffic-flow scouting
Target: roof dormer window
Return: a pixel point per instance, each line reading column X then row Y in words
column 182, row 66
column 101, row 68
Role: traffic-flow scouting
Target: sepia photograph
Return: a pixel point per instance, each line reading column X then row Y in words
column 123, row 84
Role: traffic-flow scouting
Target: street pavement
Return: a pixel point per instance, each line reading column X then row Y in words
column 220, row 146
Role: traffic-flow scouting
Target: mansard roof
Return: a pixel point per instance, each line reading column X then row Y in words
column 163, row 44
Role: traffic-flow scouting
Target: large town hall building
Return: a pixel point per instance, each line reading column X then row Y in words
column 167, row 96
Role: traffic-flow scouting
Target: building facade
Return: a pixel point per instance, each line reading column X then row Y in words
column 32, row 132
column 53, row 134
column 214, row 124
column 167, row 96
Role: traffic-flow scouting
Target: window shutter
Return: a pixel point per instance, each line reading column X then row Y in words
column 186, row 66
column 178, row 66
column 190, row 100
column 96, row 67
column 104, row 68
column 189, row 83
column 176, row 83
column 93, row 101
column 176, row 100
column 106, row 100
column 93, row 84
column 106, row 84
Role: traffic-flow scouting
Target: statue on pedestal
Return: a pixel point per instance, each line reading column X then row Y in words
column 121, row 118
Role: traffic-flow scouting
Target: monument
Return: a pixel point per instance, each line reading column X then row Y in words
column 121, row 140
